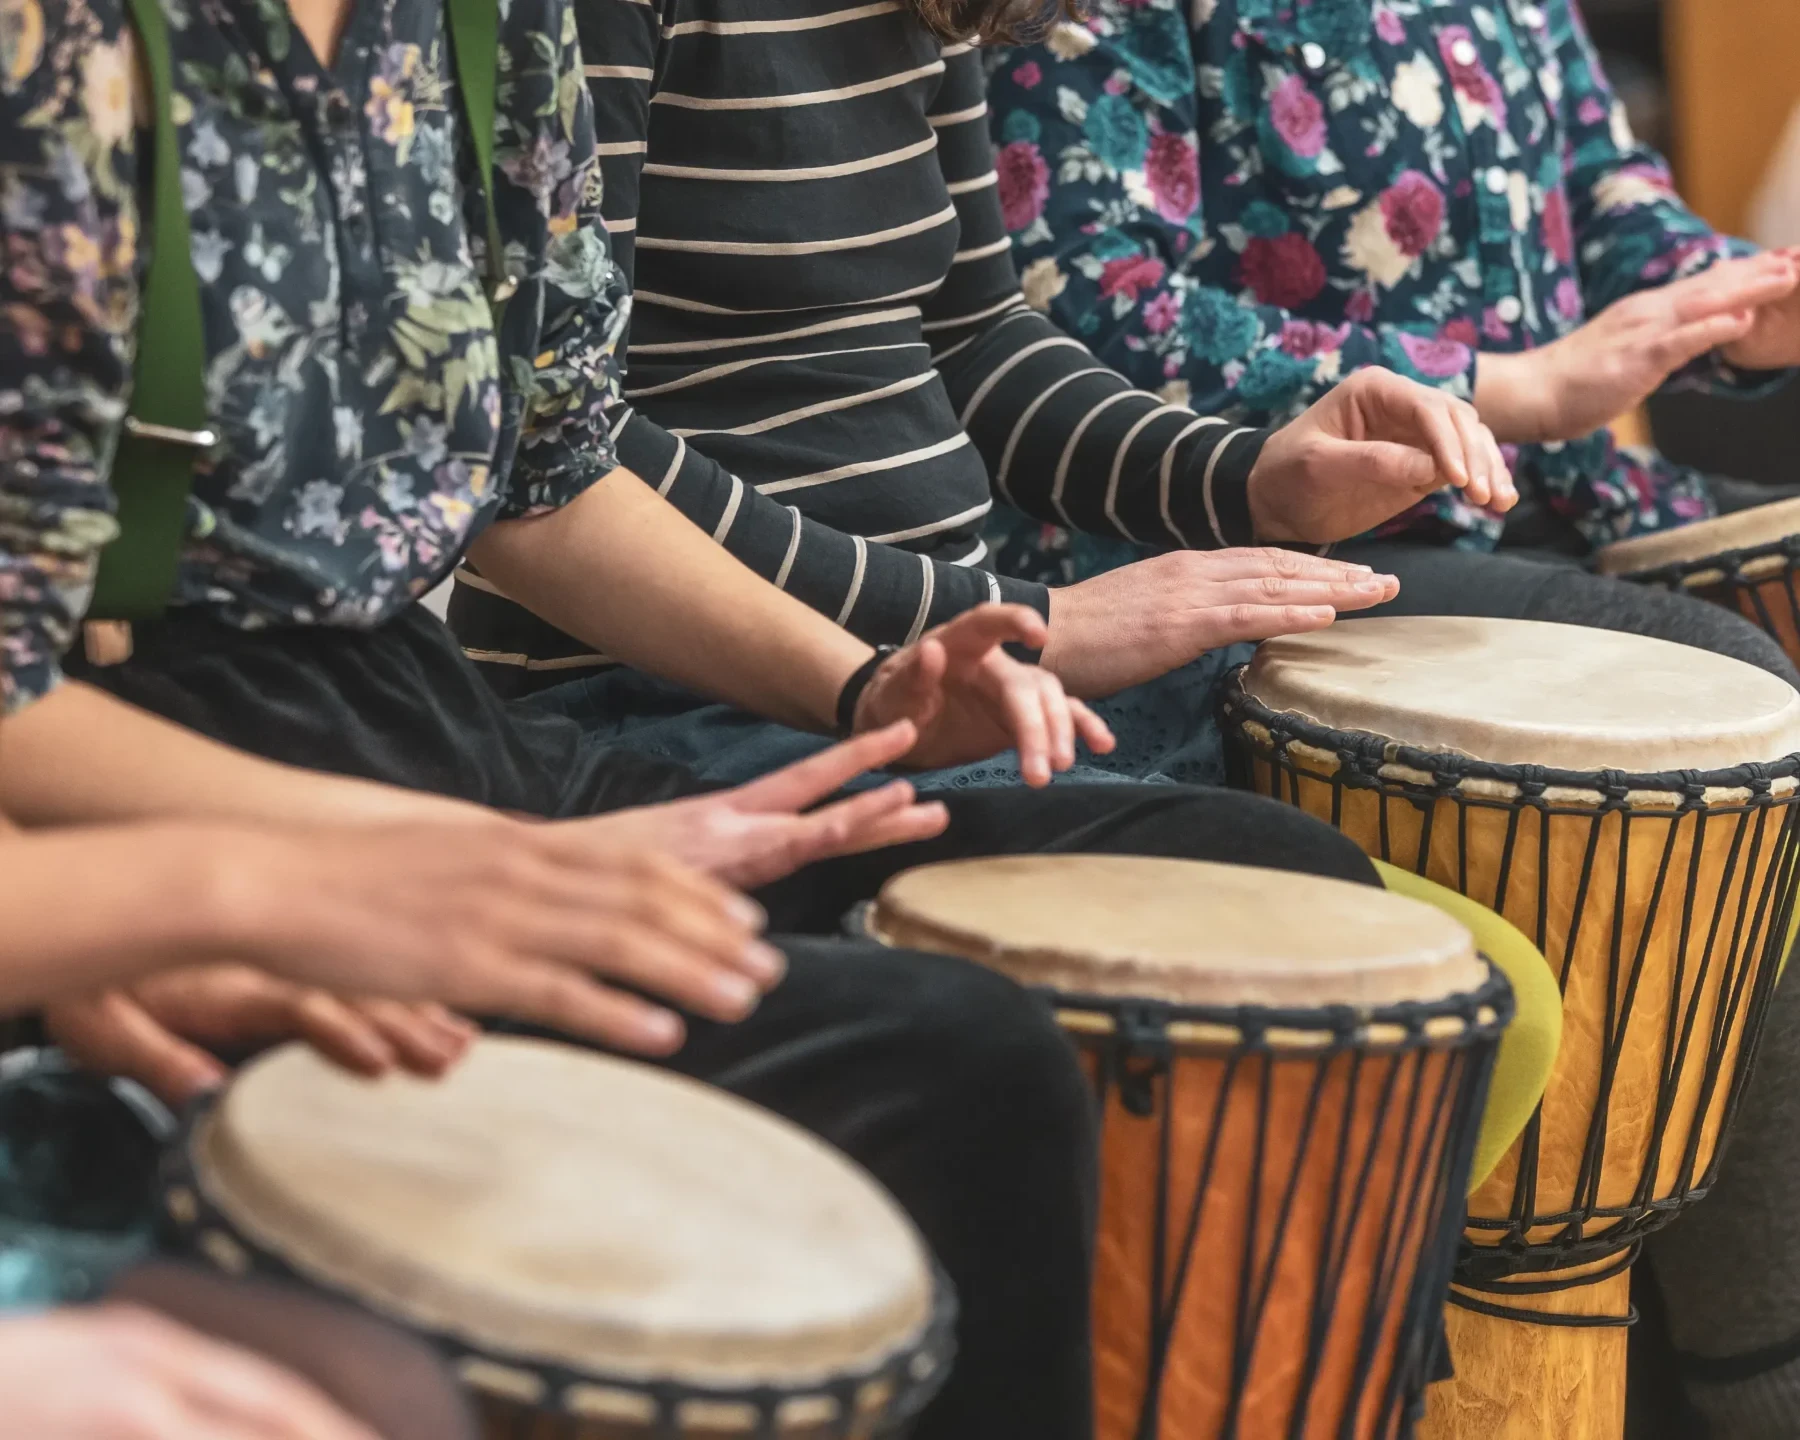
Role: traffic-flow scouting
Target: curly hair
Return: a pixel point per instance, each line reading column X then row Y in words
column 1012, row 22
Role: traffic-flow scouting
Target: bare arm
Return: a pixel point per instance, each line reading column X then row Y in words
column 86, row 909
column 625, row 571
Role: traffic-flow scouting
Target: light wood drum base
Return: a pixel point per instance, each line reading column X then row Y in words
column 1518, row 1381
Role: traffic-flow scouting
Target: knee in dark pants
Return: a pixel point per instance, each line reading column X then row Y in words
column 1577, row 598
column 1245, row 829
column 1233, row 827
column 998, row 1074
column 899, row 1053
column 1180, row 822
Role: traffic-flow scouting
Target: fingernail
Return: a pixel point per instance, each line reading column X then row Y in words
column 661, row 1029
column 738, row 992
column 765, row 961
column 1371, row 587
column 747, row 912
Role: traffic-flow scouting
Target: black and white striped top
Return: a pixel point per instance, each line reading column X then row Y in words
column 831, row 368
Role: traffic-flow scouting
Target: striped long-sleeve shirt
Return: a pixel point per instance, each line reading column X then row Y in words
column 831, row 368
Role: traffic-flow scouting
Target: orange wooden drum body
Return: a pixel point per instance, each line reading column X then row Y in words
column 1253, row 1351
column 1748, row 561
column 1659, row 899
column 1281, row 1181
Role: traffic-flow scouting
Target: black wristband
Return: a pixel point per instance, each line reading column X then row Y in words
column 856, row 684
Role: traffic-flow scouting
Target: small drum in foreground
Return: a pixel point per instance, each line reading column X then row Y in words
column 1748, row 560
column 1630, row 805
column 607, row 1251
column 1291, row 1072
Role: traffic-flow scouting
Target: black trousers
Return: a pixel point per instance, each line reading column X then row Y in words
column 952, row 1086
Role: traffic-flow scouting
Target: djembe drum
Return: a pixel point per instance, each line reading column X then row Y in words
column 1746, row 560
column 1630, row 805
column 606, row 1251
column 1291, row 1072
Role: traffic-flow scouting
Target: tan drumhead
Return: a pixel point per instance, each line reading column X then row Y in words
column 555, row 1206
column 1520, row 692
column 1743, row 530
column 1182, row 931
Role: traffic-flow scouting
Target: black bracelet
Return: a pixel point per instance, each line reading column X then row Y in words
column 856, row 684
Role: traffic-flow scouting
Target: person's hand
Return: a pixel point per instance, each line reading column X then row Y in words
column 1141, row 621
column 159, row 1032
column 1365, row 451
column 969, row 699
column 500, row 917
column 117, row 1372
column 1773, row 340
column 1618, row 359
column 760, row 832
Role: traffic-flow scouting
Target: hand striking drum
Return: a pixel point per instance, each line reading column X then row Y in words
column 610, row 1252
column 1630, row 805
column 1291, row 1072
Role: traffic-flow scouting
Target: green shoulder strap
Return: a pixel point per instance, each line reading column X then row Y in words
column 154, row 467
column 153, row 471
column 474, row 44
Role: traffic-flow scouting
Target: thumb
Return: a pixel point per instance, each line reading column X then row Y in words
column 115, row 1035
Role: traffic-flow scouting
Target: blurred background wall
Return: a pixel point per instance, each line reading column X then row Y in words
column 1716, row 85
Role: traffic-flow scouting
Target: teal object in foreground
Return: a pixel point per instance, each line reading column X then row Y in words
column 78, row 1159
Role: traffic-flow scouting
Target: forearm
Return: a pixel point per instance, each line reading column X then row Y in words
column 80, row 756
column 879, row 592
column 1514, row 396
column 89, row 908
column 625, row 572
column 1070, row 442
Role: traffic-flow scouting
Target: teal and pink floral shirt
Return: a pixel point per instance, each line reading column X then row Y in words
column 1238, row 202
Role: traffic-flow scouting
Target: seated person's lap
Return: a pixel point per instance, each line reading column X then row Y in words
column 358, row 704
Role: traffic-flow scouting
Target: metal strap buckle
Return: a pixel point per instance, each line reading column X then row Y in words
column 170, row 435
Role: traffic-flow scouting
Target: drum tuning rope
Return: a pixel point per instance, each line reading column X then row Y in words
column 1665, row 917
column 1420, row 1098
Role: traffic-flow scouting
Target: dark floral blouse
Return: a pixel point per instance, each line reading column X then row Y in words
column 369, row 423
column 1238, row 202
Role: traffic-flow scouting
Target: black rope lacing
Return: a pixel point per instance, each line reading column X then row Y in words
column 1548, row 1285
column 1725, row 578
column 1728, row 936
column 1429, row 1091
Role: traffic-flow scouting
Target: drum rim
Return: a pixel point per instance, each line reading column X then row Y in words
column 906, row 1377
column 1372, row 754
column 1723, row 559
column 1448, row 1022
column 1721, row 567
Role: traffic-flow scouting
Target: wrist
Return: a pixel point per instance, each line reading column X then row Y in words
column 815, row 699
column 1269, row 526
column 848, row 710
column 1514, row 394
column 238, row 887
